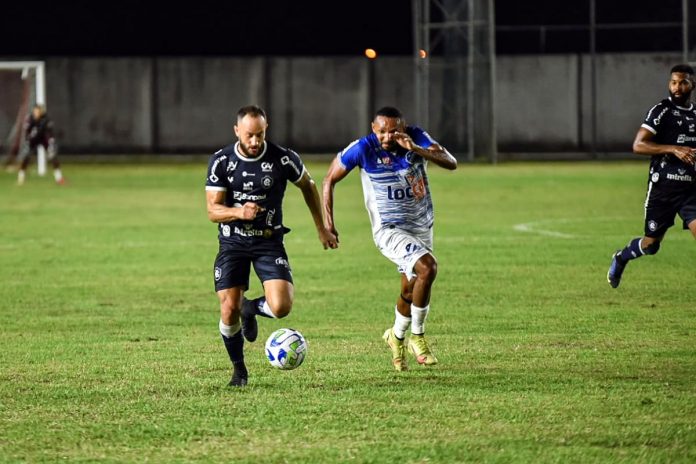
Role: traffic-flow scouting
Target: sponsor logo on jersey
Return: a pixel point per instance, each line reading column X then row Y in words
column 679, row 123
column 248, row 174
column 267, row 182
column 399, row 193
column 246, row 186
column 683, row 138
column 285, row 160
column 680, row 177
column 247, row 231
column 691, row 127
column 282, row 262
column 266, row 167
column 232, row 166
column 245, row 196
column 656, row 121
column 269, row 217
column 213, row 177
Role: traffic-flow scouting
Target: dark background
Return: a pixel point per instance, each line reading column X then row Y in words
column 310, row 27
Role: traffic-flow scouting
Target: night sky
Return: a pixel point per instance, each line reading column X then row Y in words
column 308, row 27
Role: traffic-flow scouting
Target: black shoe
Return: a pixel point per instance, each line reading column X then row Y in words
column 616, row 270
column 250, row 328
column 240, row 376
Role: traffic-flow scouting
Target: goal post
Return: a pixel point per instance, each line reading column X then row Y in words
column 31, row 72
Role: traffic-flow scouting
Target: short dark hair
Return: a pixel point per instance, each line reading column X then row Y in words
column 388, row 112
column 682, row 68
column 252, row 110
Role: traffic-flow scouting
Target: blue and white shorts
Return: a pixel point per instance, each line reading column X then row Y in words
column 404, row 248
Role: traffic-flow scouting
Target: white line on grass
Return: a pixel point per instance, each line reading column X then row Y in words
column 534, row 228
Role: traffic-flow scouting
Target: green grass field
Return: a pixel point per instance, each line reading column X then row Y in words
column 110, row 351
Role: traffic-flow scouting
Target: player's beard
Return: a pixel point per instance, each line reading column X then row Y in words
column 682, row 100
column 247, row 152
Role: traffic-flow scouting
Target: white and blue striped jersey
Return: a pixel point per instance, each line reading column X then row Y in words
column 395, row 184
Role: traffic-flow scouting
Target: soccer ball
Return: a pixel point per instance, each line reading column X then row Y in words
column 286, row 349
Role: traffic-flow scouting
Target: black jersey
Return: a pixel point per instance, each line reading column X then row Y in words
column 261, row 180
column 38, row 130
column 672, row 125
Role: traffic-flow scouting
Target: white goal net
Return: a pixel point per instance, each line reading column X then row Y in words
column 22, row 85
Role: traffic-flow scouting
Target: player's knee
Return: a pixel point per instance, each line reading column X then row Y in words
column 281, row 309
column 228, row 307
column 651, row 249
column 427, row 271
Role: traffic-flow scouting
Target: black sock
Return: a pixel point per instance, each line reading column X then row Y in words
column 257, row 304
column 631, row 251
column 235, row 347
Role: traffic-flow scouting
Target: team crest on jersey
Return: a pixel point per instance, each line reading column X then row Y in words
column 652, row 225
column 267, row 182
column 655, row 177
column 225, row 230
column 218, row 273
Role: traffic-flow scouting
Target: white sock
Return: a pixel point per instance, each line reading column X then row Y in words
column 265, row 309
column 401, row 324
column 57, row 175
column 229, row 330
column 418, row 316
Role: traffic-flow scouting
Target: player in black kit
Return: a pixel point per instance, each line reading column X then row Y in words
column 668, row 135
column 244, row 191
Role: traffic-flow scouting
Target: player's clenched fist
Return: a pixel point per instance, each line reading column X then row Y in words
column 250, row 210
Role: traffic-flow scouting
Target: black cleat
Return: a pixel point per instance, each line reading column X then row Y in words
column 250, row 328
column 616, row 270
column 240, row 376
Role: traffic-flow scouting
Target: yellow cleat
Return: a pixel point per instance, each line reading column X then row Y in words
column 398, row 349
column 419, row 347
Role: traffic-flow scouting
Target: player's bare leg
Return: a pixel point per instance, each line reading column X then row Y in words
column 276, row 303
column 230, row 329
column 692, row 228
column 426, row 272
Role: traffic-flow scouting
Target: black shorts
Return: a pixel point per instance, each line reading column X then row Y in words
column 233, row 263
column 663, row 203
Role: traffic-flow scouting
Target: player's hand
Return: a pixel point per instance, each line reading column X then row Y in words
column 686, row 154
column 250, row 210
column 404, row 140
column 328, row 238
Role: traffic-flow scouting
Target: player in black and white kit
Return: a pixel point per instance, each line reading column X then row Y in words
column 245, row 186
column 668, row 135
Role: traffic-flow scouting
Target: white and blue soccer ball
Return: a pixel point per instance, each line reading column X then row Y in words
column 286, row 349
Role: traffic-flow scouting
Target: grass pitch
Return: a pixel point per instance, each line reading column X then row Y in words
column 110, row 352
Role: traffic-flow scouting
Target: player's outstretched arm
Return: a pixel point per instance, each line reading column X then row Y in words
column 311, row 197
column 334, row 175
column 644, row 145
